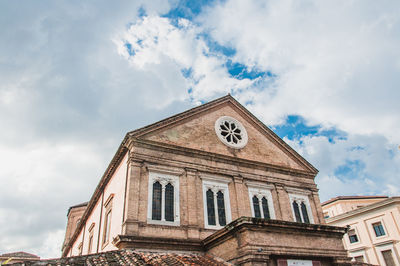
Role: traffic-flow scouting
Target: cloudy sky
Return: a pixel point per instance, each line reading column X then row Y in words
column 75, row 76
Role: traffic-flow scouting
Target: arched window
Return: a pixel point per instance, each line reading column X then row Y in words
column 169, row 202
column 304, row 212
column 256, row 206
column 296, row 211
column 156, row 206
column 221, row 208
column 210, row 207
column 265, row 208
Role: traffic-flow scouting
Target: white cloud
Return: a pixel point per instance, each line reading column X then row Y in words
column 369, row 164
column 155, row 41
column 337, row 61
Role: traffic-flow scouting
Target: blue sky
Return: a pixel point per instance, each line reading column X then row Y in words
column 77, row 75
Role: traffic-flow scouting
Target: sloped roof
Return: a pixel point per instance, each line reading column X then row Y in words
column 351, row 198
column 132, row 257
column 19, row 254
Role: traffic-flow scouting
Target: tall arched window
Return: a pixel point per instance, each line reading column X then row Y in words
column 210, row 207
column 261, row 203
column 256, row 206
column 304, row 213
column 296, row 211
column 265, row 208
column 163, row 199
column 156, row 206
column 169, row 202
column 221, row 208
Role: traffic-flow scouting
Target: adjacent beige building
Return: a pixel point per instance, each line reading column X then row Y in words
column 212, row 180
column 374, row 227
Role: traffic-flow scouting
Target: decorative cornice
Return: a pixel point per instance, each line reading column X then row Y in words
column 164, row 169
column 298, row 191
column 253, row 184
column 169, row 148
column 376, row 205
column 215, row 178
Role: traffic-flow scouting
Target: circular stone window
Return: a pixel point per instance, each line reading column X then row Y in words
column 231, row 132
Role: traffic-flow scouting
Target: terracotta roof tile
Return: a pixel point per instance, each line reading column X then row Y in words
column 132, row 257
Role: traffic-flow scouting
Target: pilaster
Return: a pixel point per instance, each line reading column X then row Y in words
column 284, row 203
column 129, row 225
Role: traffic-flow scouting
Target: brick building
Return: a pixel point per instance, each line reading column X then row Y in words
column 211, row 181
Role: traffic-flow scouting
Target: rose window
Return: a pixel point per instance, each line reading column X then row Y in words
column 231, row 132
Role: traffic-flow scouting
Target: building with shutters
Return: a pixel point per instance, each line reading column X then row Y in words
column 212, row 180
column 374, row 227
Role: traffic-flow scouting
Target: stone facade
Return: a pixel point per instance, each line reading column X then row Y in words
column 184, row 152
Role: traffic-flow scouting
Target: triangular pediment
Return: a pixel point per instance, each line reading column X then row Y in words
column 195, row 129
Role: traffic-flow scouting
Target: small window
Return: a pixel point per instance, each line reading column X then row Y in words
column 296, row 211
column 210, row 207
column 388, row 257
column 156, row 210
column 80, row 248
column 265, row 208
column 359, row 259
column 90, row 242
column 107, row 225
column 221, row 208
column 326, row 215
column 256, row 206
column 378, row 228
column 353, row 236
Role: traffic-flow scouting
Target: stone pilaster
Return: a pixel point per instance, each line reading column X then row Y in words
column 243, row 206
column 130, row 223
column 317, row 205
column 284, row 203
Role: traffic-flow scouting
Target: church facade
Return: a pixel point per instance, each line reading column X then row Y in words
column 212, row 180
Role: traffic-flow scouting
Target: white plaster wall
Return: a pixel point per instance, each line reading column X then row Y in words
column 75, row 250
column 116, row 186
column 93, row 218
column 389, row 216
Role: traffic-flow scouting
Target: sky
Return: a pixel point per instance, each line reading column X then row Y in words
column 75, row 76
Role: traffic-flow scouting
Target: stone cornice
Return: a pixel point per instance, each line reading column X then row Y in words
column 376, row 205
column 278, row 181
column 270, row 224
column 169, row 148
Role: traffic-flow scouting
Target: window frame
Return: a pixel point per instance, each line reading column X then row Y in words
column 107, row 221
column 355, row 233
column 216, row 184
column 358, row 253
column 383, row 228
column 164, row 179
column 301, row 198
column 261, row 190
column 381, row 248
column 91, row 238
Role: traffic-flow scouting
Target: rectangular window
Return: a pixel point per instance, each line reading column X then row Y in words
column 107, row 220
column 352, row 236
column 378, row 228
column 107, row 225
column 359, row 258
column 90, row 242
column 163, row 199
column 388, row 257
